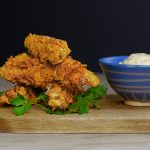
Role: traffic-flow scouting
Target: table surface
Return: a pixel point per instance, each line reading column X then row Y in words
column 72, row 141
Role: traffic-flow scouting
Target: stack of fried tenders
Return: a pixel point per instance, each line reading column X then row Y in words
column 48, row 66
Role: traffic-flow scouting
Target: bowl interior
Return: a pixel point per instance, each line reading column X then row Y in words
column 112, row 60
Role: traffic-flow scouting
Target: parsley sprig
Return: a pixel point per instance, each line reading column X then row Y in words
column 21, row 104
column 91, row 97
column 2, row 93
column 83, row 101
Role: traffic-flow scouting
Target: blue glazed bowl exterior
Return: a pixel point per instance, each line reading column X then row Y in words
column 130, row 81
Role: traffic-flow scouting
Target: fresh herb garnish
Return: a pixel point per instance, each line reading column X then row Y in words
column 2, row 93
column 23, row 105
column 42, row 96
column 92, row 97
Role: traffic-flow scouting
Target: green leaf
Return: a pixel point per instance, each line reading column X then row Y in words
column 2, row 93
column 27, row 106
column 74, row 107
column 42, row 96
column 79, row 96
column 48, row 111
column 91, row 96
column 84, row 109
column 98, row 91
column 60, row 112
column 20, row 96
column 18, row 101
column 18, row 111
column 88, row 97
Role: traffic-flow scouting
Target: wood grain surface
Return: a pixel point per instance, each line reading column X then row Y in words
column 113, row 117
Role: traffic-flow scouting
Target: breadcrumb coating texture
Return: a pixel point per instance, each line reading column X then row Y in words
column 26, row 92
column 65, row 79
column 24, row 69
column 72, row 71
column 59, row 97
column 47, row 49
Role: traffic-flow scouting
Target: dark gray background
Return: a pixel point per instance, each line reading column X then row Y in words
column 93, row 28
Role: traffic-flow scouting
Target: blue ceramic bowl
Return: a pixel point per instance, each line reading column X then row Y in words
column 130, row 81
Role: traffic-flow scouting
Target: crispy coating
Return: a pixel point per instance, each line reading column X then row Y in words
column 47, row 66
column 48, row 49
column 24, row 69
column 27, row 92
column 73, row 75
column 59, row 97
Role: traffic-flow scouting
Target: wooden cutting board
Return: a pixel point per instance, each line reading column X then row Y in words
column 113, row 117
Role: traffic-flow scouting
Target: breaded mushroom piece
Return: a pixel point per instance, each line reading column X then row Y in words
column 59, row 97
column 74, row 75
column 47, row 49
column 27, row 70
column 26, row 92
column 24, row 69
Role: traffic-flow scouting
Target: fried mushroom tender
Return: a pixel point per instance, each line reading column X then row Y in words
column 73, row 75
column 48, row 49
column 24, row 69
column 26, row 92
column 27, row 70
column 59, row 97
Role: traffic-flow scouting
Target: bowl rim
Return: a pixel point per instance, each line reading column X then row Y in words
column 103, row 61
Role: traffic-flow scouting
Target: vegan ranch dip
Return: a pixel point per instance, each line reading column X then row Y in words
column 137, row 59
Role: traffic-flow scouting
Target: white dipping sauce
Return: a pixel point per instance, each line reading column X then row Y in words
column 137, row 59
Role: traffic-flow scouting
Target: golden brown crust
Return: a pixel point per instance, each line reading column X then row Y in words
column 26, row 92
column 59, row 97
column 47, row 65
column 73, row 75
column 24, row 69
column 47, row 49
